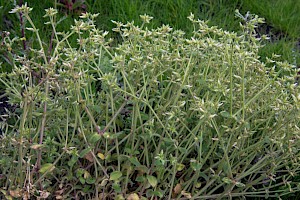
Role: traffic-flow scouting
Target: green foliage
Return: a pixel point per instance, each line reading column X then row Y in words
column 162, row 115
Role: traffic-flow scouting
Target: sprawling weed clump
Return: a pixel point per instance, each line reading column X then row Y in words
column 159, row 116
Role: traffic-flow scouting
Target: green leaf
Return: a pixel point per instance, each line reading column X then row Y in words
column 79, row 172
column 168, row 141
column 140, row 179
column 239, row 184
column 90, row 180
column 115, row 175
column 203, row 175
column 94, row 138
column 117, row 188
column 96, row 108
column 127, row 150
column 82, row 180
column 117, row 135
column 142, row 169
column 227, row 180
column 86, row 188
column 195, row 165
column 180, row 166
column 152, row 180
column 144, row 116
column 198, row 185
column 134, row 161
column 158, row 193
column 72, row 161
column 225, row 114
column 46, row 167
column 84, row 152
column 182, row 150
column 225, row 167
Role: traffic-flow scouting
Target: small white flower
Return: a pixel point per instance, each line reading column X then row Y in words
column 146, row 18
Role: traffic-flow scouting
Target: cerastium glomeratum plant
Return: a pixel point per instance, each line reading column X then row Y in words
column 159, row 115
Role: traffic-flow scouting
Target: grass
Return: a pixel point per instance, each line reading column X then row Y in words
column 281, row 17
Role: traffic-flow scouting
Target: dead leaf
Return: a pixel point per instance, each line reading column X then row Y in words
column 59, row 197
column 186, row 194
column 133, row 196
column 177, row 188
column 6, row 195
column 44, row 194
column 59, row 192
column 26, row 195
column 101, row 156
column 89, row 156
column 17, row 193
column 36, row 146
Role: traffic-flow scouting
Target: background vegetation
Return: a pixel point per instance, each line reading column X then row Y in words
column 282, row 18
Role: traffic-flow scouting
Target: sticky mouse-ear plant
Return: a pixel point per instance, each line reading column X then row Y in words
column 52, row 95
column 160, row 115
column 221, row 123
